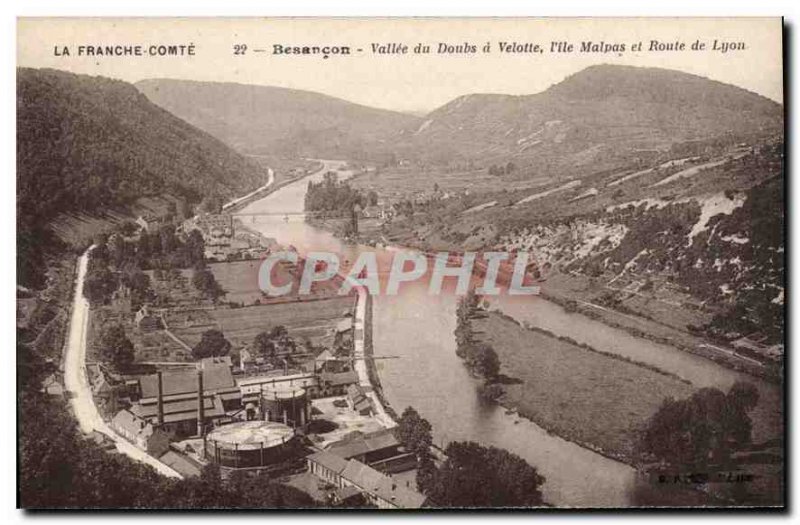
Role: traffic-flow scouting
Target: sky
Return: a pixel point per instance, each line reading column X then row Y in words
column 407, row 82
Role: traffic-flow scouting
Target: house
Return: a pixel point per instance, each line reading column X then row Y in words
column 146, row 320
column 147, row 222
column 104, row 387
column 382, row 212
column 336, row 383
column 358, row 400
column 377, row 488
column 344, row 325
column 101, row 387
column 141, row 433
column 52, row 386
column 326, row 466
column 380, row 489
column 367, row 448
column 380, row 450
column 246, row 358
column 327, row 362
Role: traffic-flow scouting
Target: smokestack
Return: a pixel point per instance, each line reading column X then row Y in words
column 201, row 409
column 160, row 399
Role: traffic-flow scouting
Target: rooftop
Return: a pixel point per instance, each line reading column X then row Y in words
column 339, row 378
column 179, row 410
column 252, row 434
column 328, row 460
column 365, row 443
column 215, row 377
column 381, row 486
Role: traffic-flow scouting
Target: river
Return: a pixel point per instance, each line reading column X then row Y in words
column 429, row 376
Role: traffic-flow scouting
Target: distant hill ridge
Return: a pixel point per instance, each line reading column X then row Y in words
column 596, row 116
column 606, row 107
column 265, row 119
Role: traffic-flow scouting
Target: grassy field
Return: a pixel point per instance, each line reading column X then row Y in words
column 576, row 393
column 239, row 279
column 304, row 319
column 312, row 320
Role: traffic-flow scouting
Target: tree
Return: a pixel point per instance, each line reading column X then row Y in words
column 263, row 345
column 99, row 285
column 212, row 344
column 139, row 284
column 478, row 476
column 426, row 472
column 279, row 335
column 703, row 429
column 167, row 239
column 118, row 250
column 487, row 363
column 116, row 348
column 414, row 431
column 100, row 282
column 194, row 249
column 203, row 280
column 372, row 198
column 128, row 228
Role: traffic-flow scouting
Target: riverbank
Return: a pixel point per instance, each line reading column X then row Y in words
column 372, row 368
column 596, row 400
column 652, row 330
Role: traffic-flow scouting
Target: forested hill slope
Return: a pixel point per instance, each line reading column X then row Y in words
column 88, row 143
column 259, row 119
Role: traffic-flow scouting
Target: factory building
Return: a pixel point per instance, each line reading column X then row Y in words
column 185, row 402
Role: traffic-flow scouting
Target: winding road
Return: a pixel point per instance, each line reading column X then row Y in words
column 76, row 381
column 77, row 384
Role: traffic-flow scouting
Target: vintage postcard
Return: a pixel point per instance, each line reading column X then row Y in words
column 400, row 263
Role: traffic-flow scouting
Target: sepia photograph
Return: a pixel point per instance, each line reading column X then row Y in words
column 400, row 263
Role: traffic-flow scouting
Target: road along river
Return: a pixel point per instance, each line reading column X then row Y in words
column 418, row 328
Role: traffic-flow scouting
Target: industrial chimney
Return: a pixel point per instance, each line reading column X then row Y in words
column 201, row 409
column 160, row 399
